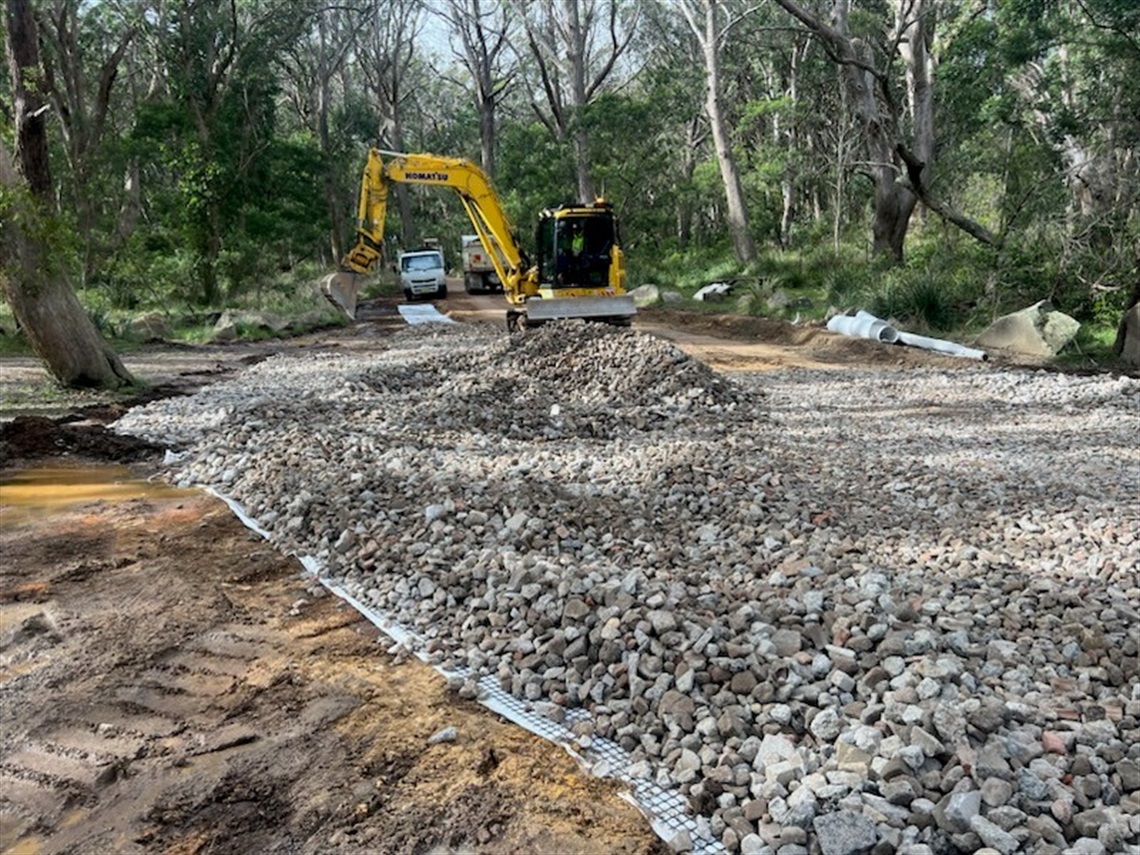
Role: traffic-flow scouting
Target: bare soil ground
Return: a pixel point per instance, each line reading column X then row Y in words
column 171, row 684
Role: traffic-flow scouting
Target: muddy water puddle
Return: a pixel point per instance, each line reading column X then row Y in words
column 39, row 490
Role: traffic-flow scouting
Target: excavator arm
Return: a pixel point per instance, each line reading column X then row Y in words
column 479, row 201
column 368, row 251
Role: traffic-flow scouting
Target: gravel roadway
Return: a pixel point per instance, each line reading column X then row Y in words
column 869, row 610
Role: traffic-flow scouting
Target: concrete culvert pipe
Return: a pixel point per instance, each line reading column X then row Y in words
column 863, row 325
column 938, row 345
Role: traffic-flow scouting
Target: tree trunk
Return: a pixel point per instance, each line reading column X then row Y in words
column 789, row 139
column 683, row 203
column 324, row 101
column 487, row 135
column 742, row 241
column 586, row 193
column 893, row 207
column 41, row 297
column 562, row 36
column 1122, row 327
column 409, row 236
column 577, row 45
column 54, row 321
column 894, row 202
column 915, row 34
column 482, row 33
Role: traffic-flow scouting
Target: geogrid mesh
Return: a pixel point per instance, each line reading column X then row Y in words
column 666, row 810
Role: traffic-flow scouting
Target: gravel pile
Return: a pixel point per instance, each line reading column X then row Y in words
column 841, row 612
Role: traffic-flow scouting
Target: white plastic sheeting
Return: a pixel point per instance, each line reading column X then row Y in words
column 713, row 291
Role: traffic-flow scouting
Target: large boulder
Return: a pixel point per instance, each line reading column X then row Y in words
column 645, row 296
column 232, row 321
column 150, row 326
column 225, row 329
column 1038, row 330
column 1130, row 350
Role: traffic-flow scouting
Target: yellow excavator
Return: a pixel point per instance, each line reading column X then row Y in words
column 580, row 269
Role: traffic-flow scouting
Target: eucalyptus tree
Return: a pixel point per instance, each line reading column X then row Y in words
column 386, row 55
column 83, row 54
column 482, row 29
column 313, row 89
column 873, row 101
column 35, row 283
column 212, row 122
column 711, row 23
column 575, row 47
column 1075, row 64
column 897, row 127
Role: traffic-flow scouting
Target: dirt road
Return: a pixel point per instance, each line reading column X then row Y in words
column 734, row 343
column 171, row 684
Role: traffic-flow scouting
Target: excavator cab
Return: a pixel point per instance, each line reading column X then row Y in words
column 575, row 248
column 581, row 270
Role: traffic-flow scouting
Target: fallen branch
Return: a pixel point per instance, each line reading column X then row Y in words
column 913, row 182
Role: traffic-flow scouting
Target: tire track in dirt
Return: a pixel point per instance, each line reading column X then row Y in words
column 172, row 685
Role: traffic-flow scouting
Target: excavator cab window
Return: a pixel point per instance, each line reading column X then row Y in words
column 574, row 250
column 547, row 254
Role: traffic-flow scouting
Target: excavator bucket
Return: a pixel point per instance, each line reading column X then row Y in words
column 340, row 290
column 612, row 310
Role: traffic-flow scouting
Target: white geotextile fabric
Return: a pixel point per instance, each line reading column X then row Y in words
column 422, row 314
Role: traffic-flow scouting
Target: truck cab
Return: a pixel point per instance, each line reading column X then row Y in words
column 422, row 274
column 479, row 276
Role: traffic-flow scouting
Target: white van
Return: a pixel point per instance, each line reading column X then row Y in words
column 422, row 274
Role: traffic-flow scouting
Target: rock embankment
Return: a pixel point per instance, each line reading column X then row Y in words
column 841, row 612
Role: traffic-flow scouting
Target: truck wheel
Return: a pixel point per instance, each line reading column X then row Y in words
column 408, row 295
column 442, row 292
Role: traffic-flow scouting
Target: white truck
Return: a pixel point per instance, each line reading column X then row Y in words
column 422, row 274
column 479, row 275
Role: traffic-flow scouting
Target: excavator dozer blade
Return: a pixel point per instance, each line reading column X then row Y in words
column 614, row 310
column 340, row 290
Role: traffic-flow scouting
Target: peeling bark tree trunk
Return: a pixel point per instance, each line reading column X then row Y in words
column 482, row 34
column 893, row 203
column 684, row 205
column 42, row 299
column 710, row 41
column 324, row 101
column 561, row 35
column 389, row 50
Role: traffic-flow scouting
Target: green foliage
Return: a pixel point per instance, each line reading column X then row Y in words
column 918, row 300
column 536, row 172
column 1091, row 347
column 690, row 270
column 845, row 282
column 234, row 168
